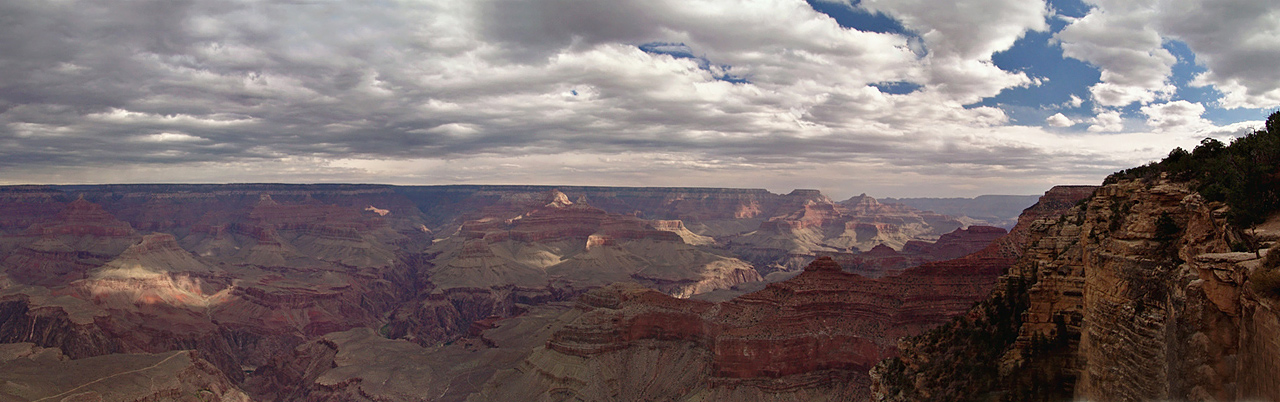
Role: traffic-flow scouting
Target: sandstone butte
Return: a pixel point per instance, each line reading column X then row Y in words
column 256, row 279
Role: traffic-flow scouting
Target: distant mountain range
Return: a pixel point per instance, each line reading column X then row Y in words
column 994, row 210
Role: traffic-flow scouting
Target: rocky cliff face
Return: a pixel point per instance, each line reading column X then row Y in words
column 711, row 211
column 236, row 274
column 1132, row 295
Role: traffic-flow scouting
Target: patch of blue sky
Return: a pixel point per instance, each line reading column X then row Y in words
column 850, row 16
column 1070, row 8
column 1060, row 78
column 897, row 87
column 683, row 51
column 854, row 17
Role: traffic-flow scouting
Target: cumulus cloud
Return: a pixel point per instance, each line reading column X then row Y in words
column 961, row 36
column 1059, row 120
column 1179, row 115
column 550, row 91
column 1234, row 40
column 1108, row 121
column 1117, row 38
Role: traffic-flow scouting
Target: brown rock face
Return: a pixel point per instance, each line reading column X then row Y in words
column 883, row 260
column 64, row 247
column 807, row 336
column 819, row 226
column 1131, row 295
column 239, row 273
column 579, row 246
column 814, row 336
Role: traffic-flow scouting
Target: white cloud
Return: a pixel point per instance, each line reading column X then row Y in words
column 1059, row 120
column 171, row 137
column 966, row 29
column 1116, row 36
column 1235, row 40
column 961, row 36
column 1115, row 95
column 1075, row 101
column 1238, row 41
column 1107, row 121
column 1179, row 115
column 552, row 92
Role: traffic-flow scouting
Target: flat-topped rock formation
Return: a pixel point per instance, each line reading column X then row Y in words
column 33, row 373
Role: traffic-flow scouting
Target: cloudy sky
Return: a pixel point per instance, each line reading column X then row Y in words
column 888, row 97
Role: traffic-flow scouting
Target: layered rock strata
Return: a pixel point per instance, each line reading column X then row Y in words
column 1132, row 295
column 286, row 289
column 32, row 373
column 812, row 337
column 821, row 227
column 883, row 260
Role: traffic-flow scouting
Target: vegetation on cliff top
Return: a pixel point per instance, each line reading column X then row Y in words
column 960, row 361
column 1245, row 174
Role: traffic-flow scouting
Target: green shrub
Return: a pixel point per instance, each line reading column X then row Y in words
column 1245, row 174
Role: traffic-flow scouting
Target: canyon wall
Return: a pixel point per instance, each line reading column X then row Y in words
column 1132, row 295
column 812, row 337
column 277, row 287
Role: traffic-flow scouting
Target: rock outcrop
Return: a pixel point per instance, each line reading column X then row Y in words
column 1132, row 295
column 807, row 337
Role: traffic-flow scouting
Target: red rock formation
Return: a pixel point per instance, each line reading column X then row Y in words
column 884, row 260
column 821, row 227
column 21, row 207
column 812, row 335
column 246, row 273
column 83, row 218
column 62, row 248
